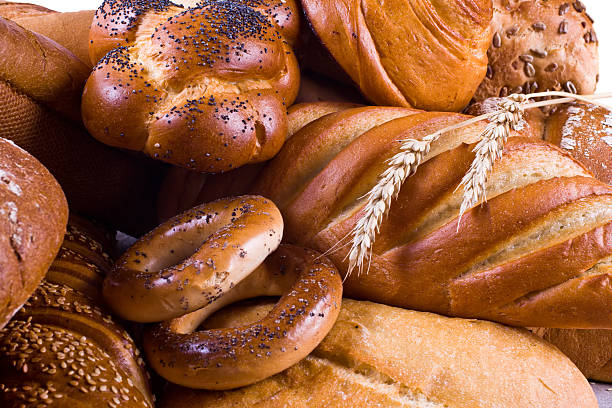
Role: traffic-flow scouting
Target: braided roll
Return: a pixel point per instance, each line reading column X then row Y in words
column 204, row 87
column 537, row 253
column 62, row 348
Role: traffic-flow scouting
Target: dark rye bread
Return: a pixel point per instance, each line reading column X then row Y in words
column 540, row 45
column 381, row 356
column 531, row 255
column 63, row 348
column 33, row 216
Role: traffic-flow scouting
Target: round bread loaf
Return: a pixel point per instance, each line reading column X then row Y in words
column 12, row 10
column 585, row 132
column 34, row 213
column 40, row 111
column 540, row 45
column 589, row 349
column 533, row 255
column 62, row 348
column 204, row 88
column 381, row 356
column 426, row 54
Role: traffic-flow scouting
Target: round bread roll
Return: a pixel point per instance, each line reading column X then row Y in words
column 70, row 30
column 426, row 54
column 533, row 255
column 540, row 45
column 62, row 348
column 589, row 349
column 40, row 111
column 585, row 132
column 381, row 356
column 34, row 213
column 12, row 10
column 205, row 88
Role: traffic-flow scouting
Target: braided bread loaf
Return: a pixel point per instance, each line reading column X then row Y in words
column 204, row 88
column 537, row 253
column 61, row 347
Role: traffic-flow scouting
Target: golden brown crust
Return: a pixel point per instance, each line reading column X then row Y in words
column 193, row 258
column 62, row 347
column 224, row 358
column 540, row 45
column 34, row 213
column 70, row 30
column 41, row 69
column 208, row 108
column 585, row 132
column 426, row 54
column 11, row 10
column 589, row 349
column 383, row 356
column 507, row 260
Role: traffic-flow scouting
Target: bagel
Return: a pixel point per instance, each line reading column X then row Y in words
column 193, row 258
column 228, row 358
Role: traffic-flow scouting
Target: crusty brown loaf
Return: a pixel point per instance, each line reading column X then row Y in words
column 62, row 348
column 70, row 30
column 98, row 180
column 426, row 54
column 204, row 88
column 33, row 216
column 381, row 356
column 11, row 10
column 585, row 132
column 589, row 349
column 533, row 255
column 540, row 45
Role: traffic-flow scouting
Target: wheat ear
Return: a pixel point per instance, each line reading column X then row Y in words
column 404, row 164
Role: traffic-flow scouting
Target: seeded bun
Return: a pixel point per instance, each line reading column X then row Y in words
column 219, row 79
column 585, row 132
column 11, row 10
column 540, row 45
column 62, row 348
column 33, row 216
column 381, row 356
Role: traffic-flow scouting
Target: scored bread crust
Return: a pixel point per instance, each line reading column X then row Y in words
column 378, row 355
column 529, row 256
column 11, row 10
column 204, row 88
column 427, row 54
column 33, row 214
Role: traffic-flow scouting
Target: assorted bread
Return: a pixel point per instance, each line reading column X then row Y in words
column 33, row 216
column 382, row 356
column 62, row 348
column 266, row 174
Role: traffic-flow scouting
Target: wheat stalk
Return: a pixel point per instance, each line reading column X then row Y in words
column 412, row 152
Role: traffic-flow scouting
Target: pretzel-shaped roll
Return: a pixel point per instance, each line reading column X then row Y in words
column 193, row 258
column 227, row 358
column 204, row 88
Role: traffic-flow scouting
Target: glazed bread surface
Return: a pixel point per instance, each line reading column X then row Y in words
column 33, row 214
column 528, row 256
column 426, row 54
column 381, row 356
